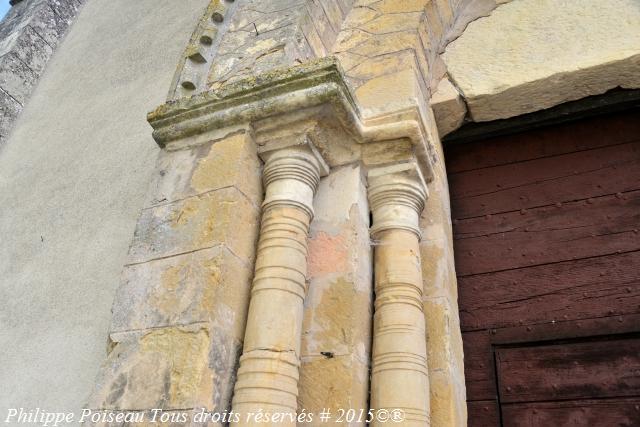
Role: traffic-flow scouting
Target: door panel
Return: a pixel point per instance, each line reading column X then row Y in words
column 582, row 370
column 547, row 243
column 580, row 413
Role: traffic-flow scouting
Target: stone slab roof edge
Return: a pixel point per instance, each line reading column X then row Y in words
column 287, row 90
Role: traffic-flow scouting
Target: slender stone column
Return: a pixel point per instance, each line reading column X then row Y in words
column 399, row 373
column 268, row 373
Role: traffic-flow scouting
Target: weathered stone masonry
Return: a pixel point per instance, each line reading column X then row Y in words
column 29, row 35
column 314, row 121
column 323, row 344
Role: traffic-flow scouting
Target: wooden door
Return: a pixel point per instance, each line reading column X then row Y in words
column 547, row 245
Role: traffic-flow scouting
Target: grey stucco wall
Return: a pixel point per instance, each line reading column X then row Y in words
column 73, row 176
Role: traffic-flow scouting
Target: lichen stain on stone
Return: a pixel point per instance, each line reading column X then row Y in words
column 169, row 299
column 262, row 45
column 187, row 288
column 222, row 155
column 213, row 284
column 328, row 254
column 182, row 216
column 326, row 383
column 191, row 215
column 186, row 352
column 335, row 315
column 434, row 264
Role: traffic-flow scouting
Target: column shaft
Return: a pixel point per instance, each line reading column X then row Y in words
column 399, row 373
column 268, row 374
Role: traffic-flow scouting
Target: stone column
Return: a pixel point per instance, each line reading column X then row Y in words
column 399, row 377
column 268, row 373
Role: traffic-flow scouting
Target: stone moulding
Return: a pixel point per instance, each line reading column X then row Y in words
column 291, row 91
column 191, row 72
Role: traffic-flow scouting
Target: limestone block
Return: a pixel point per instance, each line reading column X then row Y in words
column 312, row 36
column 447, row 407
column 360, row 16
column 16, row 78
column 196, row 223
column 52, row 20
column 376, row 98
column 437, row 312
column 446, row 370
column 286, row 32
column 376, row 45
column 348, row 60
column 391, row 23
column 317, row 18
column 345, row 6
column 338, row 382
column 338, row 308
column 337, row 320
column 211, row 285
column 530, row 55
column 167, row 368
column 383, row 65
column 445, row 12
column 30, row 48
column 9, row 110
column 402, row 44
column 334, row 14
column 230, row 162
column 349, row 38
column 448, row 107
column 425, row 38
column 434, row 22
column 380, row 153
column 272, row 6
column 394, row 6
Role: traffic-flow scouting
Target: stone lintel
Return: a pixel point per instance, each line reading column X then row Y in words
column 311, row 99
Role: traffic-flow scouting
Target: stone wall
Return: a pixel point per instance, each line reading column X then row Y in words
column 336, row 340
column 180, row 310
column 29, row 34
column 236, row 39
column 390, row 53
column 179, row 314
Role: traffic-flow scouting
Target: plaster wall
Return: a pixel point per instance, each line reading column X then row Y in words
column 73, row 178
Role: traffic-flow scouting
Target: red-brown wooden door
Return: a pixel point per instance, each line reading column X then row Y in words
column 548, row 261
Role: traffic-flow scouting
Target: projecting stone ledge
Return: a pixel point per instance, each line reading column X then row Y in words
column 311, row 99
column 531, row 55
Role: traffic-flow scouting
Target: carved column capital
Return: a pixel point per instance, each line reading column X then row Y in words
column 291, row 176
column 397, row 195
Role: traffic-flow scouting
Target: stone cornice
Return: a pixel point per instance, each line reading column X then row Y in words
column 311, row 91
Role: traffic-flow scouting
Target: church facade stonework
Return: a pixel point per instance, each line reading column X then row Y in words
column 294, row 250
